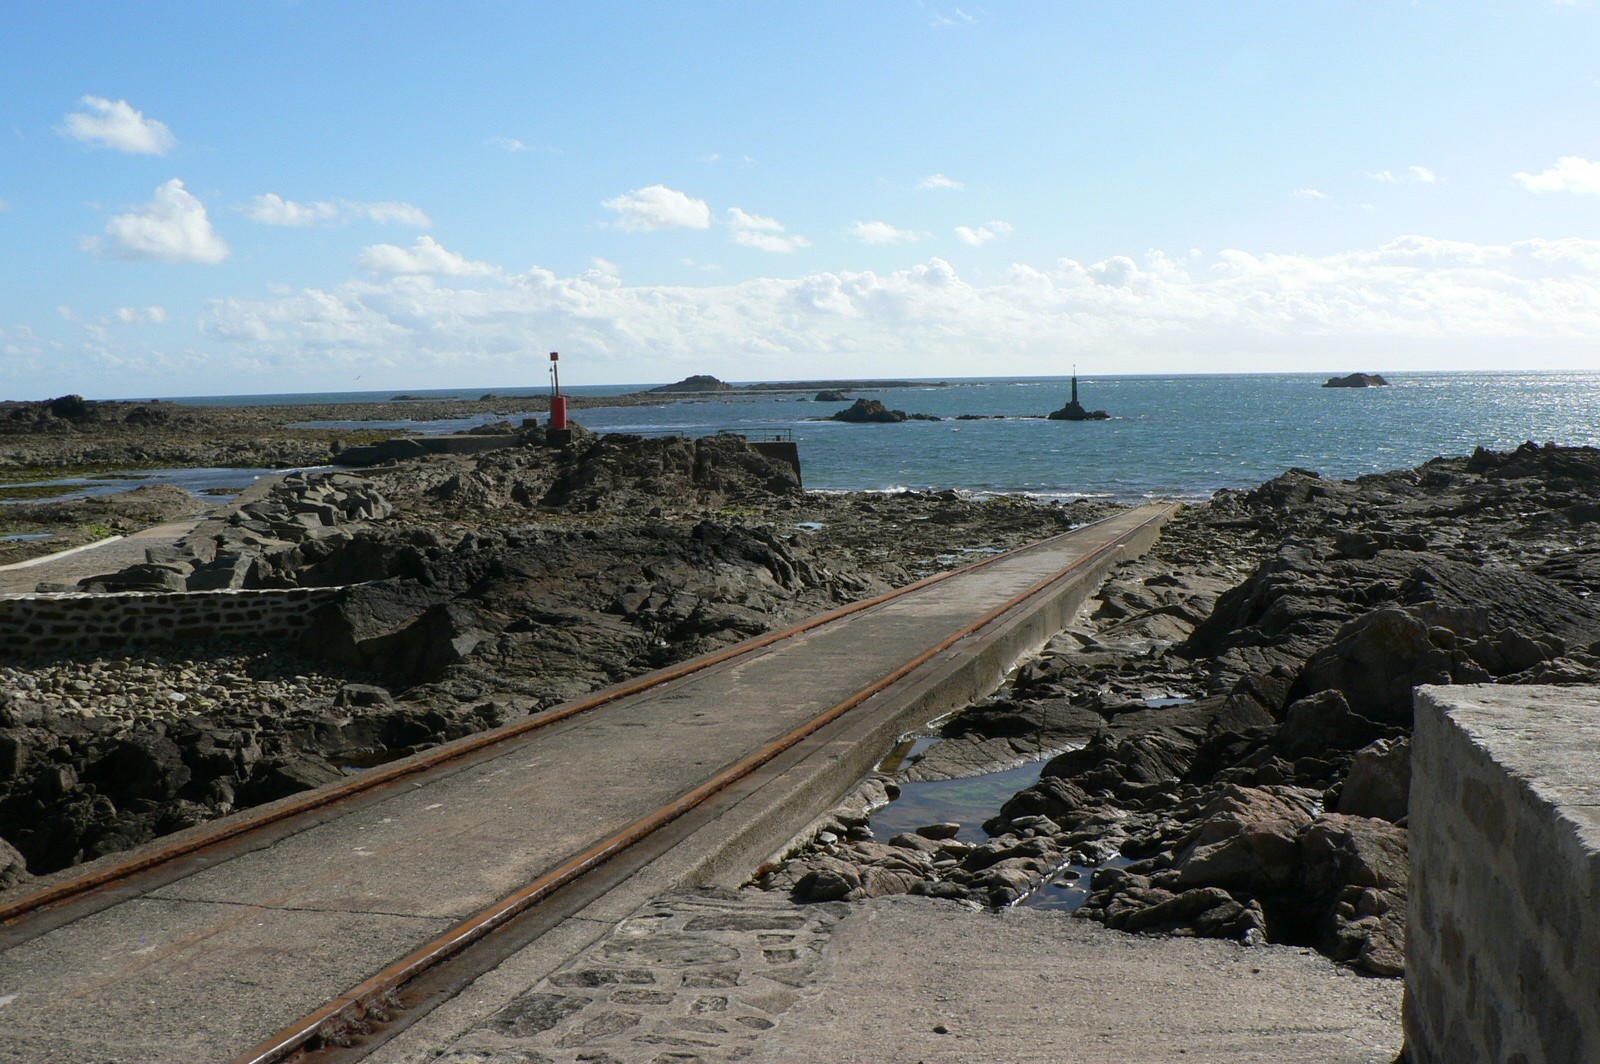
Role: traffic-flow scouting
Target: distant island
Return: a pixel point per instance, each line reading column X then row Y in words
column 1357, row 380
column 704, row 383
column 700, row 382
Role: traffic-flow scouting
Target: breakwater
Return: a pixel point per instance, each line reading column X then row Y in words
column 1503, row 943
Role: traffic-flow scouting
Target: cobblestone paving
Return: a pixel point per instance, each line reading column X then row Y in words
column 688, row 979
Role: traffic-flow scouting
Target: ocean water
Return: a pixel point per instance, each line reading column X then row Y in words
column 1169, row 437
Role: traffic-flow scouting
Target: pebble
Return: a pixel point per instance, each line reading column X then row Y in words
column 153, row 687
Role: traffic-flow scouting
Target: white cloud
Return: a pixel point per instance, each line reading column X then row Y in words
column 511, row 144
column 172, row 227
column 426, row 256
column 763, row 233
column 658, row 207
column 1310, row 193
column 1571, row 173
column 272, row 209
column 980, row 235
column 741, row 219
column 884, row 233
column 1420, row 175
column 1408, row 301
column 940, row 183
column 118, row 125
column 384, row 213
column 142, row 315
column 4, row 206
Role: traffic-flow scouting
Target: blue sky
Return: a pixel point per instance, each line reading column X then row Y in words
column 205, row 198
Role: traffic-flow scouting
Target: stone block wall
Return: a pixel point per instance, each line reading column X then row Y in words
column 72, row 623
column 1503, row 937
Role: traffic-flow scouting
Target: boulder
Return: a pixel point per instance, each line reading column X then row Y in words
column 1356, row 875
column 1379, row 783
column 868, row 410
column 1321, row 722
column 140, row 765
column 13, row 869
column 1374, row 663
column 1247, row 839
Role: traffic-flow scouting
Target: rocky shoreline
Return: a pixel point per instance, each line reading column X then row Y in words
column 489, row 586
column 1293, row 621
column 1228, row 724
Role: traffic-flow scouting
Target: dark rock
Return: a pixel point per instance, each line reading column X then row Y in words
column 831, row 396
column 13, row 868
column 1379, row 783
column 868, row 410
column 1321, row 722
column 71, row 407
column 699, row 382
column 282, row 777
column 1247, row 839
column 1356, row 380
column 141, row 765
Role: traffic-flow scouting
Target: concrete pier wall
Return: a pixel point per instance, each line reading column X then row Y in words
column 1503, row 937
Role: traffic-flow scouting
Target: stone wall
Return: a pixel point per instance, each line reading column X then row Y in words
column 1503, row 940
column 72, row 623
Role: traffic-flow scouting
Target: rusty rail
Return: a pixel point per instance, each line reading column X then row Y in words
column 15, row 909
column 295, row 1041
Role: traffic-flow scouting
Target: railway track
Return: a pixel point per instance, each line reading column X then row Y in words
column 583, row 860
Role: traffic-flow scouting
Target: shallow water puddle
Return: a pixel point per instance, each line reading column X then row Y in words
column 968, row 801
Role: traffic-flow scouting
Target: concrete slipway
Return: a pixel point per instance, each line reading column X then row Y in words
column 207, row 966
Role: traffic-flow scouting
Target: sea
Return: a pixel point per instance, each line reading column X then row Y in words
column 1179, row 437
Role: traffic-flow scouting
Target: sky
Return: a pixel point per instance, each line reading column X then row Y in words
column 203, row 198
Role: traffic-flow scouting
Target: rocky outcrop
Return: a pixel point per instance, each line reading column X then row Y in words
column 1356, row 380
column 868, row 410
column 829, row 395
column 286, row 539
column 699, row 382
column 1076, row 411
column 1298, row 616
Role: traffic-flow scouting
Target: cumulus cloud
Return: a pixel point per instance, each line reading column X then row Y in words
column 1571, row 173
column 272, row 209
column 426, row 256
column 1409, row 300
column 172, row 227
column 940, row 183
column 884, row 233
column 763, row 233
column 1420, row 175
column 142, row 315
column 658, row 207
column 118, row 125
column 977, row 236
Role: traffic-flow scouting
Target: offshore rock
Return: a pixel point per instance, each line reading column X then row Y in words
column 1076, row 411
column 699, row 382
column 1356, row 380
column 869, row 410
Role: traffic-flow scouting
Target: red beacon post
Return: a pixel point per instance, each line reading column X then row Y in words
column 558, row 402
